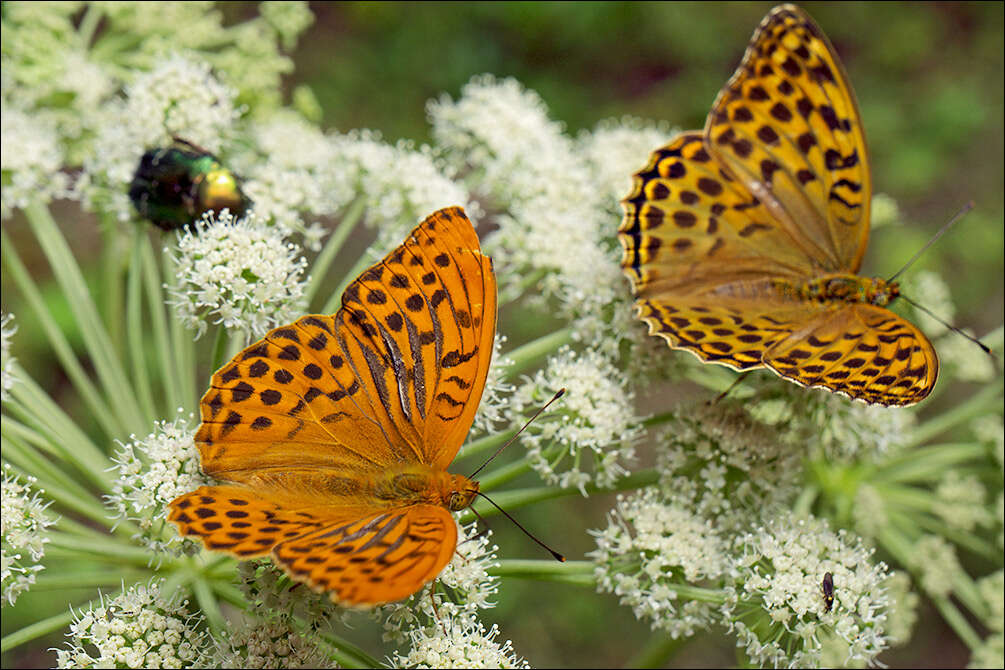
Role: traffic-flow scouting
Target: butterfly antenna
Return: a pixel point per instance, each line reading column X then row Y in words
column 555, row 397
column 973, row 339
column 558, row 556
column 959, row 215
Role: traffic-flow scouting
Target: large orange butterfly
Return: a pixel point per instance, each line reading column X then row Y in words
column 334, row 433
column 743, row 241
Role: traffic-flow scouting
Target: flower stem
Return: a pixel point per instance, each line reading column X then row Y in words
column 319, row 269
column 985, row 401
column 527, row 355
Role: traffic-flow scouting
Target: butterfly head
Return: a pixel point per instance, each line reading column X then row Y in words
column 462, row 492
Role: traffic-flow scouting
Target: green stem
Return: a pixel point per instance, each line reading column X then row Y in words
column 925, row 464
column 158, row 330
column 58, row 486
column 486, row 443
column 526, row 355
column 208, row 605
column 985, row 401
column 136, row 332
column 36, row 630
column 220, row 346
column 657, row 651
column 47, row 581
column 92, row 331
column 528, row 496
column 320, row 266
column 952, row 616
column 579, row 573
column 335, row 299
column 64, row 436
column 58, row 343
column 496, row 478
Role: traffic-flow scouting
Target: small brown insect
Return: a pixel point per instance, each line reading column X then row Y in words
column 828, row 589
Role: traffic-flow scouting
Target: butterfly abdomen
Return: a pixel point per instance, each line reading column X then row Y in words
column 840, row 288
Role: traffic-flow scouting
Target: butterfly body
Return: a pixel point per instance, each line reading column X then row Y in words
column 332, row 434
column 743, row 241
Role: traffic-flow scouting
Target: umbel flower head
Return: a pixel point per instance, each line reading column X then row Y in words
column 7, row 378
column 151, row 473
column 24, row 535
column 139, row 628
column 238, row 272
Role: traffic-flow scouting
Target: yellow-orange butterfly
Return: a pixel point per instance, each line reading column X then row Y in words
column 743, row 241
column 334, row 433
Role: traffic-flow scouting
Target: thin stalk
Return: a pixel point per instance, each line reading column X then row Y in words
column 349, row 654
column 486, row 443
column 208, row 605
column 56, row 484
column 158, row 330
column 496, row 478
column 335, row 299
column 527, row 355
column 111, row 297
column 110, row 423
column 92, row 331
column 47, row 581
column 321, row 264
column 63, row 434
column 986, row 400
column 579, row 573
column 136, row 332
column 928, row 463
column 36, row 630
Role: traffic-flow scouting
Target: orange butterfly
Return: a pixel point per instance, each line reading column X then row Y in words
column 334, row 432
column 743, row 241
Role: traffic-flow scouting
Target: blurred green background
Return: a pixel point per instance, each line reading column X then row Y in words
column 928, row 78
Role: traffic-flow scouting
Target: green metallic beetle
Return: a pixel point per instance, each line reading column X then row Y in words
column 174, row 186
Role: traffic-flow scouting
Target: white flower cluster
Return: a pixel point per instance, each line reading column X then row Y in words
column 780, row 616
column 590, row 434
column 139, row 628
column 829, row 424
column 682, row 573
column 293, row 173
column 466, row 576
column 936, row 563
column 991, row 652
column 289, row 19
column 557, row 225
column 271, row 643
column 179, row 97
column 238, row 272
column 715, row 460
column 150, row 474
column 24, row 524
column 961, row 501
column 458, row 641
column 615, row 150
column 649, row 554
column 495, row 398
column 31, row 159
column 7, row 377
column 401, row 184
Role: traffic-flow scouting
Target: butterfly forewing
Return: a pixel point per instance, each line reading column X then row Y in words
column 787, row 125
column 689, row 226
column 422, row 323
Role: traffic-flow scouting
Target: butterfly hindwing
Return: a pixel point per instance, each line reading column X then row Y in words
column 862, row 351
column 382, row 557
